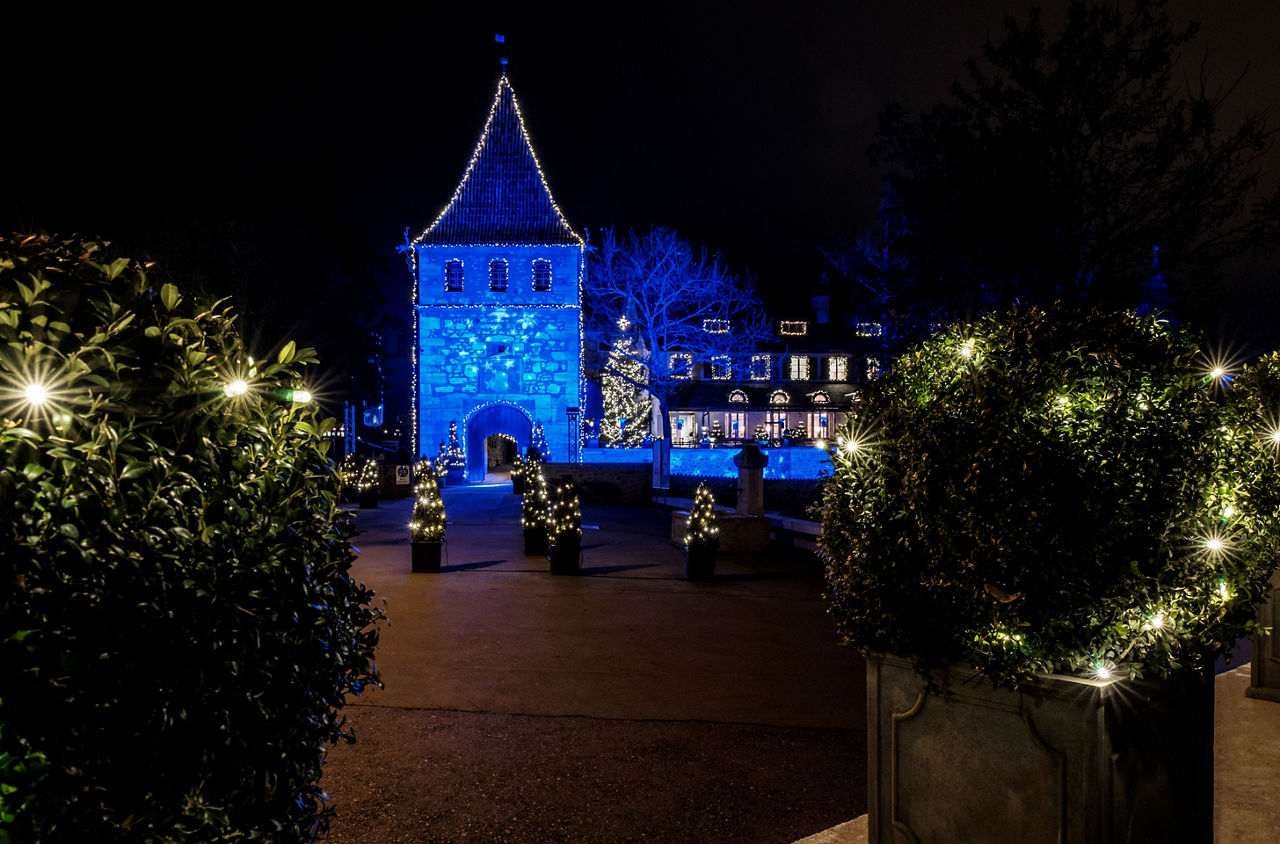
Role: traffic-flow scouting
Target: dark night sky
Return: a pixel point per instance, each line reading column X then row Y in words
column 743, row 126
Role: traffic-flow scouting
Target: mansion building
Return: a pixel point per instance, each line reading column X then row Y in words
column 497, row 326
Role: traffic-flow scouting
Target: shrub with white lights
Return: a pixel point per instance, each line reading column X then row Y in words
column 533, row 507
column 564, row 523
column 367, row 480
column 703, row 532
column 427, row 524
column 538, row 442
column 1059, row 492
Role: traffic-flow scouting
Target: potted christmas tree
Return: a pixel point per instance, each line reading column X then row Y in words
column 427, row 524
column 367, row 485
column 517, row 476
column 349, row 477
column 701, row 537
column 533, row 509
column 538, row 443
column 453, row 458
column 564, row 531
column 1041, row 529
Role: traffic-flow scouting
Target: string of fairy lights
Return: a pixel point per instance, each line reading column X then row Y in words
column 1226, row 515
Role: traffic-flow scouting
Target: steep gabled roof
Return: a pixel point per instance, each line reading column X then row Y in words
column 502, row 197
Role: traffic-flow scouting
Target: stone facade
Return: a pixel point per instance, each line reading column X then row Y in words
column 478, row 347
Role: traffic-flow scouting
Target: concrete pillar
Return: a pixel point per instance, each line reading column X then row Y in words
column 751, row 462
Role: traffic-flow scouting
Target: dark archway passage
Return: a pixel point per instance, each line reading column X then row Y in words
column 496, row 419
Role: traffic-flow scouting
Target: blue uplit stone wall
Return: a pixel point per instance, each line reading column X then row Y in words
column 478, row 347
column 798, row 463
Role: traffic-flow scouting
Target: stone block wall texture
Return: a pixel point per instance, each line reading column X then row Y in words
column 478, row 347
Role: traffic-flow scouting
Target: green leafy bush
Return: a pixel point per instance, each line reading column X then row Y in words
column 178, row 625
column 1054, row 491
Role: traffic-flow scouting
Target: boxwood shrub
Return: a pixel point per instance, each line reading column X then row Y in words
column 179, row 628
column 1048, row 490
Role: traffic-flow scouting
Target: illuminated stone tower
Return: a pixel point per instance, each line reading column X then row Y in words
column 497, row 294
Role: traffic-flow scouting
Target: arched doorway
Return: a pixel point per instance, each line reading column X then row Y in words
column 506, row 419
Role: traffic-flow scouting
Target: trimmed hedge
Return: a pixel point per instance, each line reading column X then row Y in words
column 178, row 624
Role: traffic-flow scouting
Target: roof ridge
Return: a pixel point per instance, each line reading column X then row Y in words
column 503, row 196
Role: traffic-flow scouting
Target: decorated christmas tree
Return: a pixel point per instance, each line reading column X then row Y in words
column 717, row 431
column 564, row 525
column 349, row 472
column 538, row 442
column 533, row 509
column 624, row 398
column 451, row 456
column 367, row 480
column 427, row 523
column 702, row 531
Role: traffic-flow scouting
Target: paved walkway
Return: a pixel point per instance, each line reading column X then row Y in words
column 623, row 704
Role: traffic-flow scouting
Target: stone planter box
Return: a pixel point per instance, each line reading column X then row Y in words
column 739, row 534
column 565, row 556
column 1264, row 668
column 700, row 561
column 424, row 557
column 1064, row 760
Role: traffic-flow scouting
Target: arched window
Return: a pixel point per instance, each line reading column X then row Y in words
column 821, row 397
column 737, row 397
column 779, row 397
column 542, row 275
column 498, row 275
column 453, row 276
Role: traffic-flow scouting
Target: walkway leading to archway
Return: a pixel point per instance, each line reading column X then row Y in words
column 506, row 419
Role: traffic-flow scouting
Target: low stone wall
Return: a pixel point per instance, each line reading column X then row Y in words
column 606, row 483
column 798, row 463
column 738, row 534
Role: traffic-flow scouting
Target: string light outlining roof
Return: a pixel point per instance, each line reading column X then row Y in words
column 503, row 196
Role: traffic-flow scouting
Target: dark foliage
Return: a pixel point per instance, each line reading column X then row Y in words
column 178, row 625
column 1060, row 166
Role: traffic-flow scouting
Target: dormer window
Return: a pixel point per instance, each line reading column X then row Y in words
column 793, row 328
column 820, row 397
column 779, row 397
column 453, row 276
column 498, row 276
column 715, row 326
column 737, row 397
column 868, row 329
column 542, row 276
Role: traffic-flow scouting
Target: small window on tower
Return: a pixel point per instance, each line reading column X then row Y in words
column 498, row 276
column 453, row 276
column 542, row 275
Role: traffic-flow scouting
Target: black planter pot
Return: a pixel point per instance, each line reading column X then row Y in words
column 535, row 541
column 517, row 485
column 565, row 556
column 425, row 557
column 700, row 561
column 368, row 499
